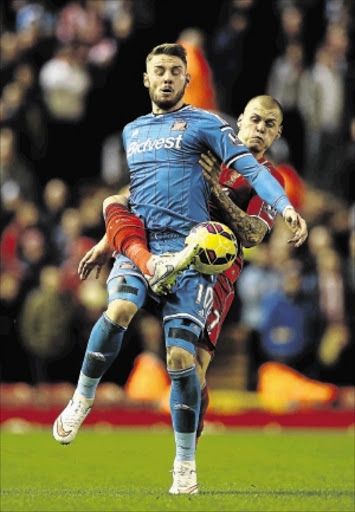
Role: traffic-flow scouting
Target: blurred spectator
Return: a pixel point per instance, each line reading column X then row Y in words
column 65, row 83
column 25, row 216
column 45, row 323
column 32, row 131
column 322, row 102
column 257, row 278
column 12, row 104
column 80, row 21
column 33, row 13
column 291, row 322
column 291, row 25
column 226, row 52
column 331, row 285
column 284, row 84
column 92, row 296
column 15, row 171
column 200, row 91
column 69, row 268
column 114, row 169
column 66, row 232
column 55, row 199
column 33, row 251
column 9, row 51
column 90, row 209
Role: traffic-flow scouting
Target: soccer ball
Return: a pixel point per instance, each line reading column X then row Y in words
column 218, row 247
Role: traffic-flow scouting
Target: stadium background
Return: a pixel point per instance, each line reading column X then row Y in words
column 71, row 78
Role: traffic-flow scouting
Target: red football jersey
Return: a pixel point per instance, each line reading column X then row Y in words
column 244, row 196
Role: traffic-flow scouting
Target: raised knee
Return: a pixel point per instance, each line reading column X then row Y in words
column 178, row 358
column 121, row 311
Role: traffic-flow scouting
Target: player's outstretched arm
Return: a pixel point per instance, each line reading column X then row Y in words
column 97, row 257
column 294, row 221
column 250, row 230
column 297, row 225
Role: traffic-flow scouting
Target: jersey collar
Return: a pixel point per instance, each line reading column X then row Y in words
column 185, row 105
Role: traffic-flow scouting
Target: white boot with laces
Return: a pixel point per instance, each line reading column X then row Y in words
column 184, row 478
column 167, row 266
column 67, row 424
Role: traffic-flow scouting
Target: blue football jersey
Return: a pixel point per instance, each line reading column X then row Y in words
column 167, row 187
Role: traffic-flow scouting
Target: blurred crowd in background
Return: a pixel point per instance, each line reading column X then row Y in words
column 71, row 78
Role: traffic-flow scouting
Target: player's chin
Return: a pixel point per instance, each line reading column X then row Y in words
column 166, row 104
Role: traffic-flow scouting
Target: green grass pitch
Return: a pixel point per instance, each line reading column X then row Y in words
column 129, row 470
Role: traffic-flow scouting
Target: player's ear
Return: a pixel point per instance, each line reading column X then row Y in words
column 239, row 121
column 279, row 133
column 146, row 80
column 188, row 79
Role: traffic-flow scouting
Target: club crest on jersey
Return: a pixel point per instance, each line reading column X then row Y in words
column 179, row 126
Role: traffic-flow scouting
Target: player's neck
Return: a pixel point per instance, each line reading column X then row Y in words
column 157, row 110
column 258, row 156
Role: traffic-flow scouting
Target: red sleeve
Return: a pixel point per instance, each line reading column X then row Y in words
column 258, row 208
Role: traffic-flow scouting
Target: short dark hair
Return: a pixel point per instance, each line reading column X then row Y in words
column 268, row 102
column 168, row 49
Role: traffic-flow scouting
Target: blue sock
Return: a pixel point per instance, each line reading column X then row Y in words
column 185, row 398
column 87, row 386
column 103, row 347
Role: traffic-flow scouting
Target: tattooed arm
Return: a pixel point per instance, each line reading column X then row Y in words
column 250, row 230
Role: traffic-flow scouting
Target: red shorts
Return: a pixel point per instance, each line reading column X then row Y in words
column 223, row 295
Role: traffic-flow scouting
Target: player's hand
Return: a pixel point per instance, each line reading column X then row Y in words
column 96, row 257
column 297, row 225
column 211, row 168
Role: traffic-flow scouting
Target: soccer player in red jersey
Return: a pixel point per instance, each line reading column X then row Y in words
column 234, row 202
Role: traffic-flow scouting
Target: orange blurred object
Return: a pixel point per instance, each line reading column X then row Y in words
column 294, row 186
column 148, row 379
column 200, row 93
column 280, row 387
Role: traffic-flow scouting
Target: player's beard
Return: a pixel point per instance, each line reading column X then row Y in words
column 254, row 148
column 167, row 104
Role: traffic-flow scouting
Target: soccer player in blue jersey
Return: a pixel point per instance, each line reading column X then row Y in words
column 169, row 195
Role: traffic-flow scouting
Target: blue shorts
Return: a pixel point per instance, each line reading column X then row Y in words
column 183, row 311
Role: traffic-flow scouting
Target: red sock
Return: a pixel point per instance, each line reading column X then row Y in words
column 126, row 235
column 203, row 409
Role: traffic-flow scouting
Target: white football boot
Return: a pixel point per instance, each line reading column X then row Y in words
column 167, row 266
column 184, row 478
column 67, row 424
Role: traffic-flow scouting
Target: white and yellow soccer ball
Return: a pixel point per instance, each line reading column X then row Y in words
column 218, row 247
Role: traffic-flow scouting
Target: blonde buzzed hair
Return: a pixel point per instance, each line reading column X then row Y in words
column 267, row 102
column 177, row 50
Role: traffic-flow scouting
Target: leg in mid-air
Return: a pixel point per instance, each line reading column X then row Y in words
column 126, row 235
column 126, row 294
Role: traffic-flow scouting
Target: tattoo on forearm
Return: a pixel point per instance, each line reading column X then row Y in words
column 249, row 229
